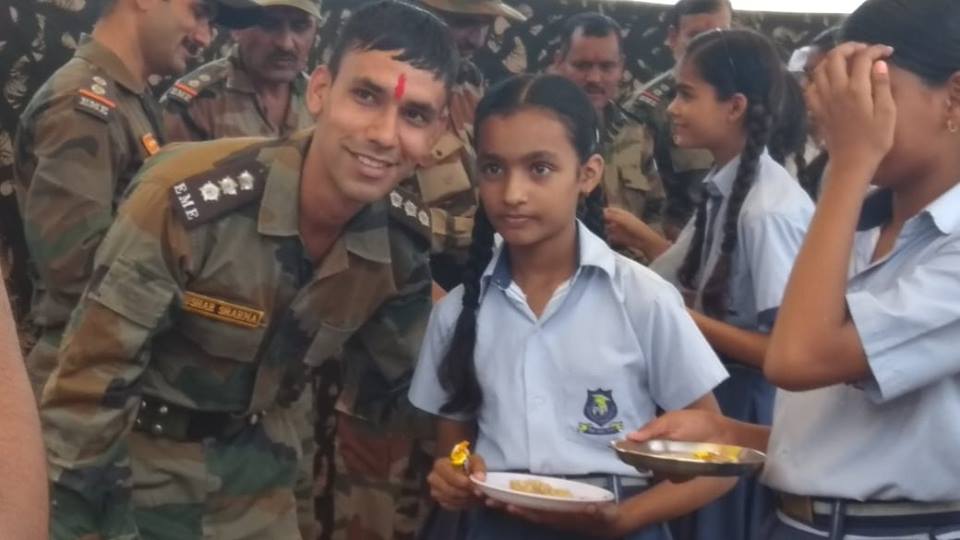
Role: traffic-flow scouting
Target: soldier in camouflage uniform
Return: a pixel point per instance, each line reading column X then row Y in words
column 179, row 408
column 80, row 140
column 591, row 55
column 682, row 169
column 384, row 446
column 258, row 89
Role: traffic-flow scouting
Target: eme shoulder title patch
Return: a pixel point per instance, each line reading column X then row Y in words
column 217, row 192
column 94, row 103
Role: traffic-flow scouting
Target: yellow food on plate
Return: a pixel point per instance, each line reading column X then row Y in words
column 539, row 487
column 460, row 454
column 714, row 457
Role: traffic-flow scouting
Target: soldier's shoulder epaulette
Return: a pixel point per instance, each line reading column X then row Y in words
column 216, row 192
column 97, row 97
column 407, row 209
column 188, row 87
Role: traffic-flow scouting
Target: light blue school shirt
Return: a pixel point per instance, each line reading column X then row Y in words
column 772, row 223
column 612, row 344
column 896, row 435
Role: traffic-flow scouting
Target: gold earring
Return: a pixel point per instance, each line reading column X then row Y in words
column 952, row 127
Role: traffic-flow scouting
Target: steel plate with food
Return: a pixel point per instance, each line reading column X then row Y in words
column 675, row 458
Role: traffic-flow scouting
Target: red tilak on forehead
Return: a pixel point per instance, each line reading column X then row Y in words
column 401, row 87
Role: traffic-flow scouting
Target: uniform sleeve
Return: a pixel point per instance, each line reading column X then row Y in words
column 91, row 400
column 909, row 330
column 771, row 242
column 426, row 392
column 668, row 263
column 683, row 366
column 68, row 205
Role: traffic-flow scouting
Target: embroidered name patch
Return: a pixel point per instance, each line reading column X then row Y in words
column 221, row 310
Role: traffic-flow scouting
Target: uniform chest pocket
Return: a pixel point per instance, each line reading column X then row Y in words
column 221, row 329
column 327, row 343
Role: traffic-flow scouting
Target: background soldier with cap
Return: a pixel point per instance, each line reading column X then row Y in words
column 681, row 169
column 258, row 89
column 591, row 55
column 179, row 406
column 384, row 449
column 80, row 141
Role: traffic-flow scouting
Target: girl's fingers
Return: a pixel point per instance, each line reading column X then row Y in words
column 861, row 69
column 883, row 105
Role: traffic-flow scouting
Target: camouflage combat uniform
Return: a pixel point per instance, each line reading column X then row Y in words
column 682, row 170
column 180, row 405
column 218, row 100
column 630, row 177
column 385, row 446
column 80, row 141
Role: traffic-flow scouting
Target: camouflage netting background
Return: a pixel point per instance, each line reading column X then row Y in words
column 37, row 36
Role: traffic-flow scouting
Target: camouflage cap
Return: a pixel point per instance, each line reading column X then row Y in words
column 310, row 6
column 243, row 13
column 477, row 7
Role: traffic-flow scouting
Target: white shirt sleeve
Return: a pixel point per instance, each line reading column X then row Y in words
column 426, row 392
column 910, row 331
column 683, row 367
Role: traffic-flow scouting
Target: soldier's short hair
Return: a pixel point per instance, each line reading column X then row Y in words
column 422, row 39
column 695, row 7
column 591, row 24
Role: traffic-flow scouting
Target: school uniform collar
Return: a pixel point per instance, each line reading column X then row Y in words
column 366, row 235
column 592, row 252
column 720, row 181
column 944, row 212
column 97, row 54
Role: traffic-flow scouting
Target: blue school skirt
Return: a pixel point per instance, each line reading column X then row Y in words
column 746, row 511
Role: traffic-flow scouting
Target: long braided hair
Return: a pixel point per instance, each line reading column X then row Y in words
column 734, row 62
column 457, row 372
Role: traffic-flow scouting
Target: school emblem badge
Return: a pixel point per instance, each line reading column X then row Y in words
column 600, row 410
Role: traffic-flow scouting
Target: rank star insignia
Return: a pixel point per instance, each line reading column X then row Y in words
column 246, row 180
column 396, row 199
column 209, row 192
column 410, row 209
column 99, row 80
column 228, row 185
column 424, row 218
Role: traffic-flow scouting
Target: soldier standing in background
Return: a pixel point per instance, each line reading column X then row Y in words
column 179, row 408
column 681, row 169
column 258, row 89
column 384, row 447
column 591, row 55
column 81, row 139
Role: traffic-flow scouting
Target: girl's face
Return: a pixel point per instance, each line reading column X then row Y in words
column 699, row 119
column 530, row 176
column 920, row 139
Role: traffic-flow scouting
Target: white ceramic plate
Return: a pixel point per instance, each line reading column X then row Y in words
column 497, row 487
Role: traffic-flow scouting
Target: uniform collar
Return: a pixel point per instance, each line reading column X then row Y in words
column 97, row 54
column 239, row 80
column 720, row 181
column 944, row 212
column 366, row 235
column 592, row 251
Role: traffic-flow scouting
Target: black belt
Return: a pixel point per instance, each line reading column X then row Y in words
column 829, row 514
column 166, row 420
